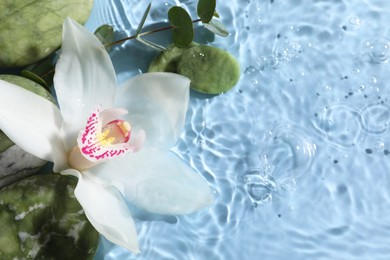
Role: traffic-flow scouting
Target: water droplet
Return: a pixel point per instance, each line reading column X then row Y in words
column 288, row 185
column 379, row 146
column 354, row 20
column 259, row 194
column 379, row 50
column 250, row 70
column 271, row 61
column 200, row 143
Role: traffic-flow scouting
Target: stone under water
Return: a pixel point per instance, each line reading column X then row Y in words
column 210, row 69
column 31, row 30
column 40, row 218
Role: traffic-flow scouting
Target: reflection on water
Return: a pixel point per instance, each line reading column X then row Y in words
column 298, row 152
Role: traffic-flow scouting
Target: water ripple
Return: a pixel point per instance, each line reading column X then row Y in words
column 376, row 119
column 340, row 125
column 286, row 154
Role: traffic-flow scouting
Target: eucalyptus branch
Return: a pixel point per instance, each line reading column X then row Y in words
column 144, row 34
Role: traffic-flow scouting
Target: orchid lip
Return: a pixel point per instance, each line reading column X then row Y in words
column 97, row 143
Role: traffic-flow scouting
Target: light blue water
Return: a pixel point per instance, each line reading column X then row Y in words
column 298, row 153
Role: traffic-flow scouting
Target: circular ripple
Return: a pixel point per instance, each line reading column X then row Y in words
column 287, row 154
column 376, row 119
column 259, row 187
column 340, row 125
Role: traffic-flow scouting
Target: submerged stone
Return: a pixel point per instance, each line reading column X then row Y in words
column 30, row 30
column 41, row 219
column 211, row 70
column 14, row 162
column 167, row 61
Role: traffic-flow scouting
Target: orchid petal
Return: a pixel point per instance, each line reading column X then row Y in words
column 84, row 78
column 106, row 210
column 138, row 140
column 157, row 181
column 32, row 122
column 157, row 103
column 109, row 115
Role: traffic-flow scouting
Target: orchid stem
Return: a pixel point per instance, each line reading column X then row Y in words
column 144, row 33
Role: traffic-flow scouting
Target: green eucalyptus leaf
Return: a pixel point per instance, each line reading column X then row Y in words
column 105, row 34
column 30, row 30
column 183, row 30
column 40, row 218
column 143, row 19
column 217, row 27
column 34, row 77
column 206, row 10
column 29, row 85
column 44, row 69
column 151, row 44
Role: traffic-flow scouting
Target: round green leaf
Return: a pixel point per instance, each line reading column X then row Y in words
column 217, row 27
column 30, row 30
column 41, row 219
column 105, row 34
column 34, row 77
column 183, row 30
column 29, row 85
column 206, row 10
column 44, row 69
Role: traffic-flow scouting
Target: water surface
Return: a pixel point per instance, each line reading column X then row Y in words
column 298, row 152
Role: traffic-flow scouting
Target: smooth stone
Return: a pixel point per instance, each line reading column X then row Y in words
column 41, row 219
column 211, row 70
column 30, row 30
column 167, row 61
column 14, row 162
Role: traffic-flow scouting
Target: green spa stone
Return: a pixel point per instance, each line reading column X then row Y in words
column 31, row 29
column 41, row 219
column 211, row 70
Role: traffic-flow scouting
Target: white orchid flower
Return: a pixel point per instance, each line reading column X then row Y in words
column 87, row 139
